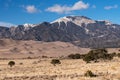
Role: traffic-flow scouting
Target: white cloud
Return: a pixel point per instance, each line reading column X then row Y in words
column 31, row 9
column 66, row 9
column 5, row 24
column 80, row 5
column 110, row 7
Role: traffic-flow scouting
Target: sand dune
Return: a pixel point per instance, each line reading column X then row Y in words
column 14, row 48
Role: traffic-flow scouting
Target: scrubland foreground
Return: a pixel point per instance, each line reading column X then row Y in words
column 69, row 69
column 33, row 62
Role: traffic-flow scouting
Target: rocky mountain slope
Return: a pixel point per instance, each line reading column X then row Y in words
column 79, row 30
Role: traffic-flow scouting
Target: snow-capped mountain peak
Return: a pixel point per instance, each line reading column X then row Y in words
column 28, row 26
column 63, row 19
column 78, row 20
column 107, row 22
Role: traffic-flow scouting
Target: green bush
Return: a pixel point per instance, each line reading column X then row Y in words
column 55, row 61
column 96, row 54
column 89, row 74
column 11, row 63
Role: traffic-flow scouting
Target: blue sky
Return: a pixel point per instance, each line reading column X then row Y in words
column 37, row 11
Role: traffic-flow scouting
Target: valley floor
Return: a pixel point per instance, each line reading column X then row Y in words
column 69, row 69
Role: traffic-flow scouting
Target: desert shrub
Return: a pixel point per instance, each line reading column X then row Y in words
column 89, row 74
column 74, row 56
column 109, row 56
column 88, row 58
column 114, row 54
column 44, row 56
column 29, row 57
column 39, row 61
column 21, row 63
column 96, row 54
column 118, row 54
column 11, row 63
column 71, row 56
column 82, row 56
column 55, row 61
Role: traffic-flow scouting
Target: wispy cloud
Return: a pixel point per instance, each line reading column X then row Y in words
column 5, row 24
column 111, row 7
column 31, row 9
column 66, row 9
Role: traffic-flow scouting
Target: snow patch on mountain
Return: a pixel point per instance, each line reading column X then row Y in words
column 63, row 19
column 87, row 31
column 101, row 36
column 106, row 22
column 28, row 26
column 114, row 27
column 78, row 20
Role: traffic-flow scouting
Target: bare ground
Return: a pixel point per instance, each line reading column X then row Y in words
column 21, row 49
column 41, row 68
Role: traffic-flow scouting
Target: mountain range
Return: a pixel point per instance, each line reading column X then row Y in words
column 79, row 30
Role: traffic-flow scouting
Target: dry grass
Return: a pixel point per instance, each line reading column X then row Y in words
column 42, row 69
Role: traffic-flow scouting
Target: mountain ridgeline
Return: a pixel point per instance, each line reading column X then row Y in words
column 79, row 30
